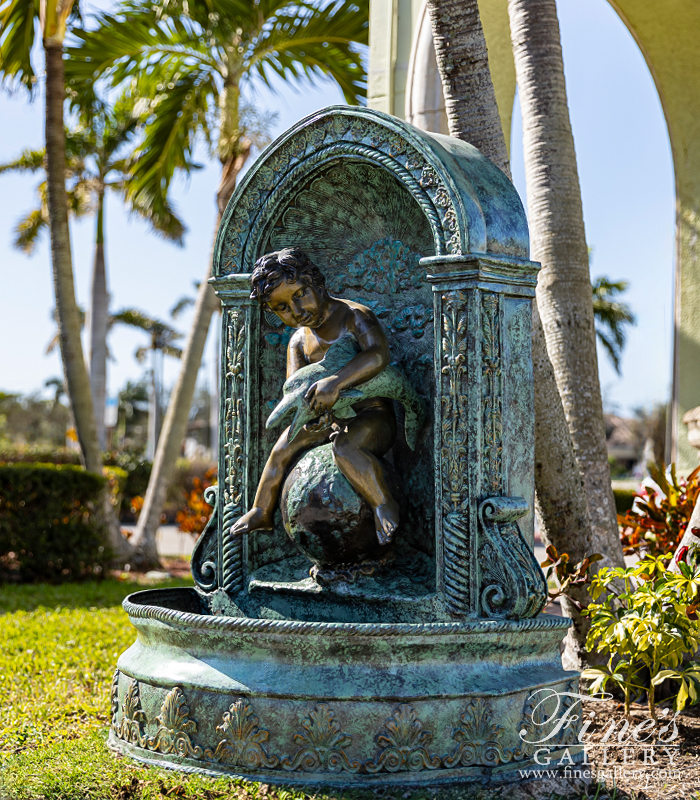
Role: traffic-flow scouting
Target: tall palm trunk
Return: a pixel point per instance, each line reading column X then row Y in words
column 463, row 63
column 558, row 241
column 561, row 502
column 64, row 287
column 74, row 368
column 99, row 323
column 175, row 422
column 155, row 402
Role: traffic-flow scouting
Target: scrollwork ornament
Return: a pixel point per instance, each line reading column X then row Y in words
column 429, row 178
column 322, row 745
column 243, row 740
column 315, row 137
column 174, row 728
column 404, row 745
column 233, row 460
column 512, row 583
column 491, row 369
column 454, row 423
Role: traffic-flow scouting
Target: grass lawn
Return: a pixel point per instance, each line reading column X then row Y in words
column 59, row 648
column 60, row 645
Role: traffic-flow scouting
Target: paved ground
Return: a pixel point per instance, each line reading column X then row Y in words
column 171, row 541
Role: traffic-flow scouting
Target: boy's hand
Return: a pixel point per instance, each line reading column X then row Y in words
column 323, row 395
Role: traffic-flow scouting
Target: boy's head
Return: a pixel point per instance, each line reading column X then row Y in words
column 290, row 284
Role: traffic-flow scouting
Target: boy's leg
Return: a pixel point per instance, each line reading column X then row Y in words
column 261, row 515
column 368, row 436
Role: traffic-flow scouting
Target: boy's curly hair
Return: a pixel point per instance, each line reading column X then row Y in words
column 287, row 265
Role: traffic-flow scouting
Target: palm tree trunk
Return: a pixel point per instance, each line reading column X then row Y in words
column 99, row 323
column 462, row 57
column 175, row 422
column 77, row 380
column 558, row 240
column 152, row 430
column 76, row 374
column 561, row 502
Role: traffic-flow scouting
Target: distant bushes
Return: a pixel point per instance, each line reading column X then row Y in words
column 49, row 529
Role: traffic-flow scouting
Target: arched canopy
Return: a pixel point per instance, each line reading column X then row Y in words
column 469, row 204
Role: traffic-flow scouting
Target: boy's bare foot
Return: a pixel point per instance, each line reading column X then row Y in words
column 386, row 521
column 254, row 520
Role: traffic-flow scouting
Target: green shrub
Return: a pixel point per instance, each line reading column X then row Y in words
column 657, row 522
column 38, row 454
column 48, row 526
column 646, row 625
column 624, row 500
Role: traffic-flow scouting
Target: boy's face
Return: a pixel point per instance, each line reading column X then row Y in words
column 297, row 304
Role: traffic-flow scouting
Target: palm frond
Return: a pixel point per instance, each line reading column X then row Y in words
column 29, row 161
column 180, row 306
column 29, row 229
column 19, row 23
column 170, row 136
column 169, row 350
column 611, row 317
column 322, row 42
column 132, row 44
column 159, row 213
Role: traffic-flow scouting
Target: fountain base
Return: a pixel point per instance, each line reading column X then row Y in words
column 339, row 703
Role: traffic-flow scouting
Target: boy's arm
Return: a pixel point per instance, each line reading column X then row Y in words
column 295, row 353
column 370, row 361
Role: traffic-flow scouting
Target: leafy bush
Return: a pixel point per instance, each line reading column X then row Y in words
column 646, row 624
column 38, row 454
column 48, row 525
column 195, row 515
column 624, row 500
column 565, row 576
column 657, row 521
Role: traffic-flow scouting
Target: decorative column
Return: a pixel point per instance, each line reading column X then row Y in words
column 239, row 326
column 484, row 436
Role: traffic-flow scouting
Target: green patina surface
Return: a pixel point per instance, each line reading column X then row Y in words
column 416, row 668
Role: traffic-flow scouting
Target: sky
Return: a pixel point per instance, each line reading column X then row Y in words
column 627, row 186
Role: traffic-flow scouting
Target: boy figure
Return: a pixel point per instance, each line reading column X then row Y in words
column 289, row 284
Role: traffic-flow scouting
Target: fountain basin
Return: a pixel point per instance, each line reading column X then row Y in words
column 299, row 701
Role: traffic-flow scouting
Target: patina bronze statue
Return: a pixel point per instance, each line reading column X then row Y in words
column 287, row 283
column 340, row 650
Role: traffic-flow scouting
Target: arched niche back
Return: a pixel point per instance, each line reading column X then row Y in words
column 430, row 235
column 367, row 234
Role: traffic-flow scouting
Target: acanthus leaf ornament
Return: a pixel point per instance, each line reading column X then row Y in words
column 175, row 728
column 478, row 738
column 404, row 744
column 244, row 739
column 322, row 744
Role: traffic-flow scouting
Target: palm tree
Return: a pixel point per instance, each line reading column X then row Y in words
column 21, row 22
column 193, row 59
column 162, row 337
column 611, row 317
column 99, row 152
column 463, row 63
column 564, row 295
column 561, row 502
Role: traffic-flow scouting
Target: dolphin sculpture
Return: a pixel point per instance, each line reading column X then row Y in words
column 391, row 383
